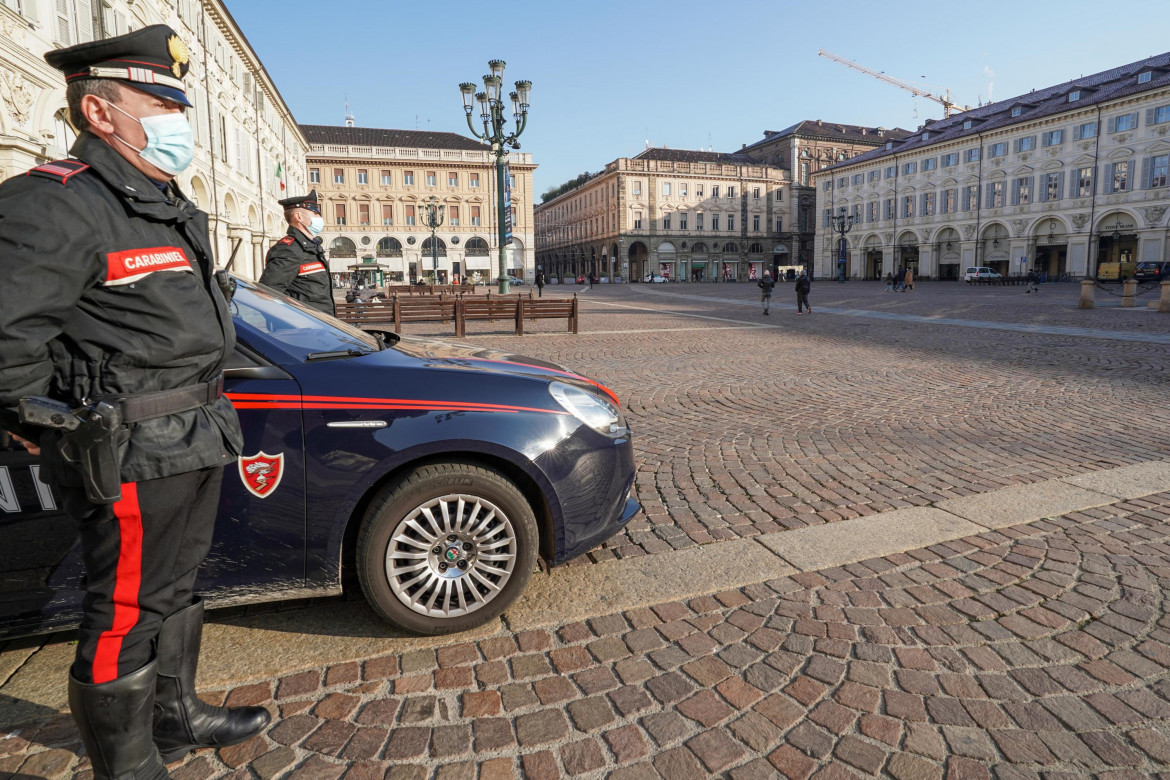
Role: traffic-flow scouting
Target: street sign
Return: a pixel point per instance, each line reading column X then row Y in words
column 507, row 203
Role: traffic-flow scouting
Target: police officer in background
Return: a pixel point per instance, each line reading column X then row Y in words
column 110, row 304
column 296, row 264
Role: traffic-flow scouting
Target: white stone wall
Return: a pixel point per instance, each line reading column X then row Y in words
column 242, row 126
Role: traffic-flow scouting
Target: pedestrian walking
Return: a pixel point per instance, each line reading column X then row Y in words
column 591, row 278
column 908, row 281
column 889, row 282
column 803, row 286
column 899, row 279
column 540, row 282
column 1033, row 283
column 766, row 284
column 111, row 301
column 296, row 264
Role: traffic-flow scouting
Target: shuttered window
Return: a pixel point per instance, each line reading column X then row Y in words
column 387, row 214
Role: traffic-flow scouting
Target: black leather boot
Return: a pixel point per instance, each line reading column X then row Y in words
column 115, row 722
column 183, row 721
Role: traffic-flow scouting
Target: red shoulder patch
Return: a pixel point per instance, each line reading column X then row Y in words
column 59, row 170
column 285, row 240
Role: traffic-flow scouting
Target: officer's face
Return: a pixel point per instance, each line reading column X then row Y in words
column 107, row 122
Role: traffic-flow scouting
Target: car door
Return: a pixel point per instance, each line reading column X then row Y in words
column 259, row 541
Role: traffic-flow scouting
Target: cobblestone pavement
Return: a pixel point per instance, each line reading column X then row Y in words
column 1034, row 651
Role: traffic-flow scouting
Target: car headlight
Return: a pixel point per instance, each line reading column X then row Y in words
column 596, row 412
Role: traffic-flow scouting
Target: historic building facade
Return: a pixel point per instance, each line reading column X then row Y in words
column 1057, row 180
column 688, row 215
column 803, row 149
column 243, row 129
column 374, row 186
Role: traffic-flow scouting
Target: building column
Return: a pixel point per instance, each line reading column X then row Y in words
column 1019, row 248
column 927, row 265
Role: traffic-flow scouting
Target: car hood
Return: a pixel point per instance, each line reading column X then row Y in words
column 434, row 353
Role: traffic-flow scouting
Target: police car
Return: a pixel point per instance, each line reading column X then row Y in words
column 438, row 473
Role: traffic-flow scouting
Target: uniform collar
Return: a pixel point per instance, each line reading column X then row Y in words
column 115, row 169
column 307, row 243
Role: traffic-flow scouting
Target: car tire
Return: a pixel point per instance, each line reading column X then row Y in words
column 472, row 515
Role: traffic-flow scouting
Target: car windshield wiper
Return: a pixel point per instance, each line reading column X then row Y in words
column 337, row 354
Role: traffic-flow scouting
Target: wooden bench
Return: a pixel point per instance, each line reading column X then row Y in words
column 547, row 309
column 378, row 312
column 420, row 309
column 486, row 308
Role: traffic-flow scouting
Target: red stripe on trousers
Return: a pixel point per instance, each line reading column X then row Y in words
column 127, row 582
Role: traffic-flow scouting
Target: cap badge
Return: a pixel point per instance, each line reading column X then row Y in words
column 179, row 53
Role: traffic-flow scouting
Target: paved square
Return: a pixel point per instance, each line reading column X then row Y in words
column 1017, row 444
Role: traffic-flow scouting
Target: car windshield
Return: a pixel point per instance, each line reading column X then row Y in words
column 301, row 331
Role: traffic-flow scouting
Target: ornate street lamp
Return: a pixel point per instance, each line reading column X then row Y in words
column 842, row 224
column 432, row 219
column 491, row 111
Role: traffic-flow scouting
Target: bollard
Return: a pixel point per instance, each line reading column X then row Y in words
column 1086, row 301
column 1164, row 302
column 1128, row 291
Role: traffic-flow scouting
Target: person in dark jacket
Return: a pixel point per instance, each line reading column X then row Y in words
column 803, row 286
column 766, row 285
column 540, row 282
column 1033, row 283
column 296, row 264
column 110, row 295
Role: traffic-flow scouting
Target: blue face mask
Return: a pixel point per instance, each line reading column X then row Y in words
column 170, row 142
column 316, row 224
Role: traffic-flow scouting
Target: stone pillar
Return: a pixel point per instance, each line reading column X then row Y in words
column 1128, row 291
column 926, row 261
column 1087, row 287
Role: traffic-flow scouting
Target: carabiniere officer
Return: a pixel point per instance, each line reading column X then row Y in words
column 296, row 264
column 110, row 307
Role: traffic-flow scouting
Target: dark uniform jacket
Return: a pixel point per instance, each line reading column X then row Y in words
column 296, row 266
column 109, row 289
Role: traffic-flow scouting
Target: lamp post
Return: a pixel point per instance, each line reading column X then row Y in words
column 842, row 224
column 433, row 218
column 491, row 111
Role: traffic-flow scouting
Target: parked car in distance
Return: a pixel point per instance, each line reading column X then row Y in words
column 655, row 279
column 1151, row 270
column 514, row 280
column 980, row 272
column 438, row 473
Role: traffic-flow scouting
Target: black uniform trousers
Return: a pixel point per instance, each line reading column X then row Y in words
column 141, row 556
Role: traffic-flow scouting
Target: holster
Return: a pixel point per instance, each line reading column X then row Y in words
column 94, row 449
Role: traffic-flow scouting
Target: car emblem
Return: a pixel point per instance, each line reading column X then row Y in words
column 452, row 554
column 261, row 473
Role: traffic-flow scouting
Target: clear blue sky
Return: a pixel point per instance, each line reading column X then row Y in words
column 608, row 76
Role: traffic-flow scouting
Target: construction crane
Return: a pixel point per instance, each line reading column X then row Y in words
column 949, row 107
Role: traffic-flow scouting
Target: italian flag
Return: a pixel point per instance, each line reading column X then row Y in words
column 280, row 176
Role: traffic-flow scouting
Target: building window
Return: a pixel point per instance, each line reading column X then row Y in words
column 1023, row 191
column 339, row 214
column 779, row 195
column 1074, row 96
column 950, row 160
column 966, row 124
column 698, row 222
column 731, row 192
column 730, row 222
column 453, row 215
column 698, row 190
column 314, row 176
column 1017, row 111
column 473, row 180
column 755, row 223
column 666, row 189
column 1053, row 138
column 338, row 176
column 410, row 215
column 908, row 206
column 909, row 168
column 1156, row 116
column 511, row 181
column 995, row 195
column 1026, row 144
column 682, row 221
column 475, row 215
column 997, row 149
column 1120, row 176
column 927, row 204
column 714, row 221
column 637, row 188
column 1159, row 166
column 452, row 179
column 408, row 178
column 929, row 163
column 1145, row 76
column 779, row 225
column 970, row 197
column 432, row 179
column 363, row 213
column 666, row 222
column 973, row 155
column 637, row 220
column 387, row 179
column 1084, row 182
column 755, row 193
column 387, row 214
column 1122, row 123
column 363, row 176
column 889, row 208
column 948, row 202
column 714, row 190
column 891, row 171
column 682, row 190
column 1052, row 186
column 804, row 174
column 1087, row 130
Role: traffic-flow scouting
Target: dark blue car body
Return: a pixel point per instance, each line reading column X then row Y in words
column 315, row 419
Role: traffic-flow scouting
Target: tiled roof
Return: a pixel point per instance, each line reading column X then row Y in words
column 1100, row 87
column 400, row 139
column 835, row 131
column 688, row 155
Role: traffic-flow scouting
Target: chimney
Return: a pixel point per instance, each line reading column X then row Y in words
column 743, row 146
column 818, row 123
column 864, row 131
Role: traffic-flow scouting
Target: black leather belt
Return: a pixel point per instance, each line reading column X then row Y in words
column 147, row 406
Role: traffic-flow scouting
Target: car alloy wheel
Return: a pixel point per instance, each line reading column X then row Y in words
column 448, row 548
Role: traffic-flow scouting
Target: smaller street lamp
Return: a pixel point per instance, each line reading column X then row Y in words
column 432, row 219
column 842, row 224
